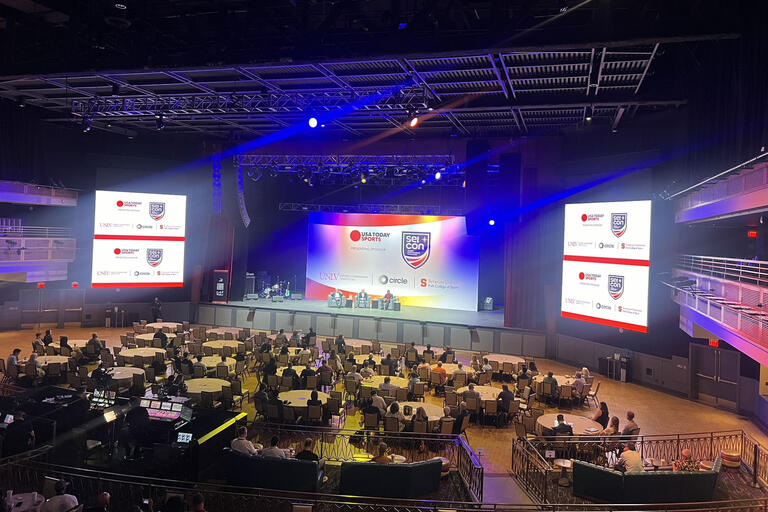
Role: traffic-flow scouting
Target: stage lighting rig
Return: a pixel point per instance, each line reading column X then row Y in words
column 86, row 124
column 312, row 122
column 159, row 121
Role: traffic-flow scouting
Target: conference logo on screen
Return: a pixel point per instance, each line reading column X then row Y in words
column 592, row 218
column 615, row 286
column 128, row 205
column 385, row 279
column 415, row 248
column 156, row 210
column 121, row 252
column 589, row 279
column 618, row 224
column 368, row 236
column 154, row 257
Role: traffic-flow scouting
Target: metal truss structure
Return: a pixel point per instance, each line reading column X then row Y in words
column 402, row 209
column 486, row 93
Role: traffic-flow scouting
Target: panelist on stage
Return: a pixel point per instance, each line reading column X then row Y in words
column 338, row 298
column 363, row 299
column 387, row 299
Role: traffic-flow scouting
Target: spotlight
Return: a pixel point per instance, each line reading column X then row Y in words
column 438, row 175
column 159, row 122
column 86, row 124
column 121, row 6
column 423, row 182
column 491, row 222
column 363, row 178
column 414, row 121
column 22, row 103
column 588, row 119
column 464, row 184
column 312, row 122
column 588, row 114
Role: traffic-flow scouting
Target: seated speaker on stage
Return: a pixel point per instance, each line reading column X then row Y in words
column 388, row 301
column 336, row 299
column 363, row 300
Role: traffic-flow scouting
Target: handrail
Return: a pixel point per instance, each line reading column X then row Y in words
column 35, row 232
column 718, row 175
column 728, row 268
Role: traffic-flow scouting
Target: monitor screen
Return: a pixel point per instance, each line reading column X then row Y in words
column 166, row 406
column 8, row 418
column 176, row 407
column 184, row 437
column 154, row 405
column 98, row 393
column 144, row 403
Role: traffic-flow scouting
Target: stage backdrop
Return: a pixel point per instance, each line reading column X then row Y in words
column 422, row 259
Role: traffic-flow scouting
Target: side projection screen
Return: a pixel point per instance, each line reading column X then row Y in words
column 606, row 259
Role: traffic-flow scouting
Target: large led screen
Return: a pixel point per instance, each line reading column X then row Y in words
column 606, row 258
column 424, row 260
column 138, row 240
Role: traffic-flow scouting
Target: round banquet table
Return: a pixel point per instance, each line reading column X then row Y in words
column 234, row 331
column 299, row 397
column 377, row 380
column 561, row 379
column 210, row 362
column 450, row 368
column 504, row 358
column 353, row 342
column 486, row 392
column 176, row 326
column 580, row 424
column 435, row 412
column 130, row 353
column 123, row 373
column 360, row 358
column 196, row 386
column 218, row 345
column 72, row 343
column 147, row 336
column 45, row 360
column 298, row 370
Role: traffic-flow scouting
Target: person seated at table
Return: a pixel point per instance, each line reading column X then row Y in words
column 160, row 335
column 378, row 402
column 578, row 384
column 585, row 372
column 446, row 418
column 265, row 347
column 260, row 399
column 306, row 339
column 308, row 371
column 324, row 367
column 290, row 372
column 553, row 381
column 421, row 414
column 412, row 352
column 274, row 399
column 387, row 385
column 13, row 359
column 470, row 393
column 284, row 350
column 686, row 463
column 429, row 351
column 387, row 299
column 241, row 443
column 351, row 357
column 186, row 361
column 630, row 426
column 353, row 373
column 475, row 363
column 333, row 356
column 308, row 454
column 633, row 461
column 223, row 364
column 458, row 371
column 341, row 344
column 463, row 413
column 62, row 501
column 562, row 428
column 601, row 415
column 174, row 385
column 612, row 429
column 382, row 456
column 199, row 364
column 272, row 450
column 38, row 346
column 48, row 338
column 395, row 412
column 486, row 367
column 366, row 372
column 35, row 361
column 440, row 371
column 424, row 365
column 413, row 378
column 281, row 338
column 523, row 373
column 295, row 337
column 505, row 398
column 444, row 356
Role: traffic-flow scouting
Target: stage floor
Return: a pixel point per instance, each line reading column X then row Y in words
column 493, row 319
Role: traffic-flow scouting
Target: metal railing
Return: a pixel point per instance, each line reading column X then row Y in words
column 733, row 269
column 534, row 472
column 721, row 185
column 358, row 445
column 34, row 232
column 18, row 250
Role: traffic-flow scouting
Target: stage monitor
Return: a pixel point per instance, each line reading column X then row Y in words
column 144, row 403
column 606, row 259
column 184, row 437
column 423, row 260
column 138, row 240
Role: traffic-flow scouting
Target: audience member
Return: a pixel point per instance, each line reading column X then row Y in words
column 601, row 415
column 440, row 371
column 62, row 501
column 553, row 383
column 382, row 457
column 13, row 359
column 281, row 338
column 562, row 428
column 37, row 345
column 395, row 412
column 101, row 504
column 445, row 419
column 241, row 443
column 470, row 393
column 505, row 398
column 366, row 372
column 353, row 373
column 460, row 418
column 633, row 462
column 387, row 385
column 686, row 462
column 272, row 450
column 308, row 371
column 429, row 351
column 612, row 429
column 19, row 435
column 341, row 344
column 578, row 384
column 444, row 356
column 48, row 338
column 291, row 373
column 378, row 402
column 308, row 454
column 630, row 427
column 199, row 363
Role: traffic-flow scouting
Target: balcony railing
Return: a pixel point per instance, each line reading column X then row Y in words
column 751, row 271
column 21, row 250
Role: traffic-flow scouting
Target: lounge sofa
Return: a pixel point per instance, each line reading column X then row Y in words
column 269, row 473
column 607, row 485
column 409, row 480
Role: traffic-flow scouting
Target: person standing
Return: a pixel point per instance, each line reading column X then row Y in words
column 157, row 309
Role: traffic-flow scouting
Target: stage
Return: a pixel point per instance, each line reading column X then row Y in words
column 473, row 330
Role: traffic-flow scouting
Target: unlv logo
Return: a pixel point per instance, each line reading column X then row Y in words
column 415, row 248
column 154, row 257
column 156, row 210
column 618, row 223
column 615, row 286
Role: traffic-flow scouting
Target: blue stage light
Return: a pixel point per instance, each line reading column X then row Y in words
column 312, row 122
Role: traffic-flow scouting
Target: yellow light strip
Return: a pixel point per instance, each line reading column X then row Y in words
column 221, row 428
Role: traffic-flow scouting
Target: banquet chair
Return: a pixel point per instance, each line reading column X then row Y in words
column 507, row 370
column 198, row 372
column 420, row 427
column 334, row 408
column 273, row 413
column 365, row 392
column 419, row 390
column 64, row 351
column 226, row 398
column 286, row 383
column 50, row 350
column 391, row 424
column 521, row 433
column 314, row 414
column 450, row 358
column 311, row 382
column 371, row 421
column 429, row 358
column 592, row 395
column 207, row 351
column 238, row 393
column 460, row 380
column 326, row 379
column 273, row 382
column 546, row 391
column 226, row 351
column 401, row 394
column 222, row 372
column 584, row 394
column 566, row 394
column 207, row 401
column 514, row 411
column 484, row 378
column 473, row 405
column 491, row 410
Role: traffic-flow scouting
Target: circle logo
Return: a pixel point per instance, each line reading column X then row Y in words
column 581, row 275
column 117, row 251
column 355, row 235
column 119, row 203
column 383, row 279
column 583, row 217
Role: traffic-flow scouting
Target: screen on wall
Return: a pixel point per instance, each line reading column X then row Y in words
column 423, row 260
column 606, row 258
column 138, row 240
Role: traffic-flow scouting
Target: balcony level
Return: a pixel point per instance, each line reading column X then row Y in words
column 31, row 254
